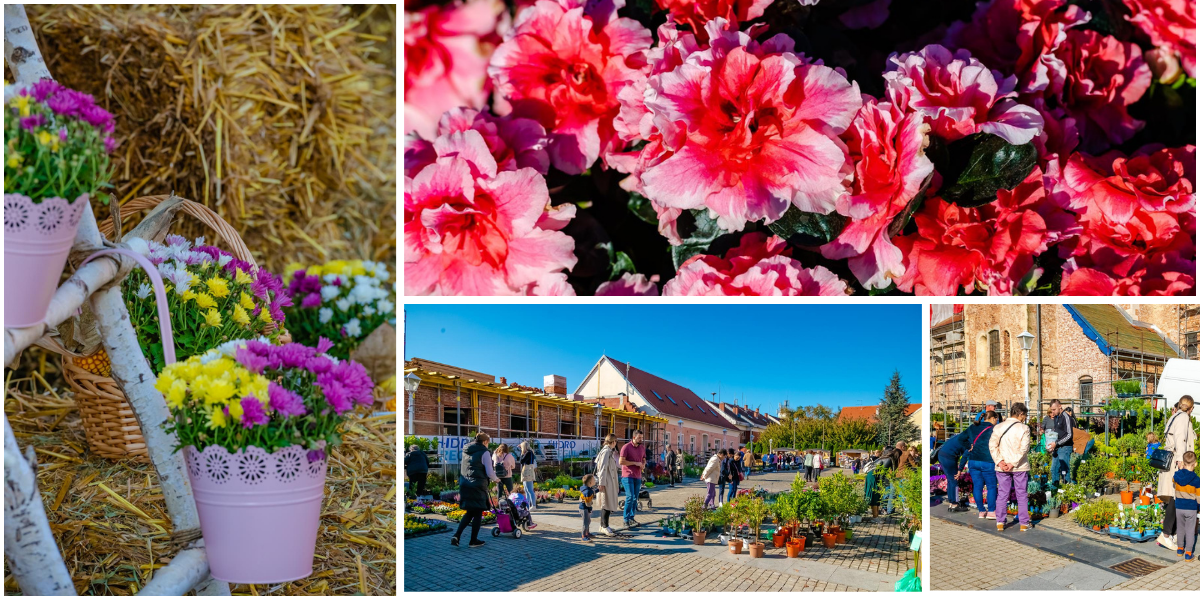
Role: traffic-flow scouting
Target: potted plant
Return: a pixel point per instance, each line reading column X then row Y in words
column 345, row 301
column 254, row 422
column 57, row 142
column 754, row 511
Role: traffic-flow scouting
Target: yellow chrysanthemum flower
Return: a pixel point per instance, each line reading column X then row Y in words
column 265, row 315
column 240, row 316
column 14, row 161
column 243, row 278
column 218, row 391
column 187, row 370
column 213, row 318
column 235, row 410
column 176, row 394
column 22, row 103
column 218, row 287
column 44, row 138
column 188, row 295
column 217, row 418
column 165, row 380
column 246, row 301
column 220, row 368
column 204, row 301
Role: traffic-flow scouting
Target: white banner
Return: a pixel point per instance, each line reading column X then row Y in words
column 450, row 447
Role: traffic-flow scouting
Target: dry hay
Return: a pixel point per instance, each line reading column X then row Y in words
column 282, row 118
column 111, row 525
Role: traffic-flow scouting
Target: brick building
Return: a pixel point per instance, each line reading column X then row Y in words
column 452, row 404
column 698, row 426
column 1078, row 350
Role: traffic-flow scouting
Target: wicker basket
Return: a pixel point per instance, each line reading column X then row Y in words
column 108, row 421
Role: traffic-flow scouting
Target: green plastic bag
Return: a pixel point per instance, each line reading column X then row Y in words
column 910, row 582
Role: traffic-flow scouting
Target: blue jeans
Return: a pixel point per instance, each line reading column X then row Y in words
column 983, row 474
column 732, row 491
column 1061, row 463
column 950, row 468
column 632, row 486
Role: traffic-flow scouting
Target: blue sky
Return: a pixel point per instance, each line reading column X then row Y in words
column 836, row 355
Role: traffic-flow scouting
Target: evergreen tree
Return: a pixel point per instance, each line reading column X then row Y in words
column 893, row 425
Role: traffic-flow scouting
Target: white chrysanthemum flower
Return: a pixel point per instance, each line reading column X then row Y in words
column 324, row 315
column 343, row 304
column 230, row 348
column 352, row 328
column 199, row 241
column 386, row 307
column 330, row 277
column 224, row 260
column 143, row 291
column 138, row 245
column 369, row 310
column 329, row 292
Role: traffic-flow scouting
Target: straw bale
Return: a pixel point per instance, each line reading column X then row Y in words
column 109, row 520
column 282, row 118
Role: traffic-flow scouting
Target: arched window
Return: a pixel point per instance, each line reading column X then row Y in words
column 994, row 348
column 981, row 353
column 1085, row 388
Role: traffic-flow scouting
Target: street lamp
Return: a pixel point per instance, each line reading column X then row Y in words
column 1026, row 344
column 681, row 435
column 599, row 410
column 411, row 383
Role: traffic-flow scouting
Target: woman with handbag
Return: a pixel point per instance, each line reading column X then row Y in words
column 608, row 478
column 711, row 476
column 504, row 464
column 980, row 465
column 1009, row 447
column 1180, row 438
column 528, row 473
column 723, row 476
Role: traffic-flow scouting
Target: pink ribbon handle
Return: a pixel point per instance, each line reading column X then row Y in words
column 160, row 297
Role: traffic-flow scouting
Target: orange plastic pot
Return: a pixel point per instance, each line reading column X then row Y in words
column 830, row 539
column 794, row 547
column 1127, row 497
column 779, row 540
column 841, row 536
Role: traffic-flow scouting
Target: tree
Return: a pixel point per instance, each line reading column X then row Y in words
column 894, row 426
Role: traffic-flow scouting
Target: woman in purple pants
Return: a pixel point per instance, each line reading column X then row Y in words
column 1009, row 446
column 712, row 476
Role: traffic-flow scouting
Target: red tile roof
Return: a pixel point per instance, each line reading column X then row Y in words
column 868, row 412
column 648, row 384
column 745, row 414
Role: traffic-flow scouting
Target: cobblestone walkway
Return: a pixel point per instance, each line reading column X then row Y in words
column 552, row 558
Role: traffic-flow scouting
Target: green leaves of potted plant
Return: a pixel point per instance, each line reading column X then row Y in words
column 754, row 511
column 696, row 513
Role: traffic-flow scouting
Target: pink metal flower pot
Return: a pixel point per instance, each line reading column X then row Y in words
column 259, row 511
column 37, row 240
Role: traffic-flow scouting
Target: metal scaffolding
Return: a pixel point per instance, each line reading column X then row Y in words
column 948, row 365
column 1189, row 330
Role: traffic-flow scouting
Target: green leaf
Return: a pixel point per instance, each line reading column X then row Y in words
column 975, row 167
column 639, row 205
column 698, row 231
column 618, row 261
column 801, row 228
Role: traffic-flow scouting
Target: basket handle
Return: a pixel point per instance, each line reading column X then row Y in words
column 201, row 212
column 160, row 296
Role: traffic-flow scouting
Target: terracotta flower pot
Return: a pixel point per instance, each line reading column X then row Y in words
column 756, row 550
column 830, row 539
column 1095, row 528
column 735, row 546
column 794, row 547
column 698, row 538
column 1127, row 497
column 778, row 540
column 841, row 535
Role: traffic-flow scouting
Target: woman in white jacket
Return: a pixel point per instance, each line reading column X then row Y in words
column 711, row 476
column 608, row 478
column 1180, row 438
column 1010, row 452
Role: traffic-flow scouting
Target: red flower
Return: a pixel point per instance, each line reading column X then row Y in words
column 759, row 266
column 1104, row 76
column 564, row 64
column 697, row 13
column 1154, row 179
column 990, row 248
column 1171, row 25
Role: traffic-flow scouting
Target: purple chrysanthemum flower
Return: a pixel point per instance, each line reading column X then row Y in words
column 285, row 402
column 335, row 394
column 67, row 102
column 254, row 362
column 293, row 355
column 110, row 144
column 319, row 364
column 252, row 412
column 311, row 301
column 62, row 134
column 236, row 263
column 213, row 252
column 32, row 122
column 44, row 89
column 317, row 454
column 323, row 345
column 97, row 117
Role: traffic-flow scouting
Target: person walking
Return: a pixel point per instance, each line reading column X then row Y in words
column 808, row 466
column 608, row 481
column 529, row 472
column 416, row 467
column 711, row 476
column 980, row 465
column 587, row 494
column 1187, row 486
column 1180, row 438
column 671, row 458
column 748, row 457
column 735, row 475
column 504, row 465
column 724, row 477
column 1059, row 426
column 475, row 472
column 1009, row 447
column 633, row 459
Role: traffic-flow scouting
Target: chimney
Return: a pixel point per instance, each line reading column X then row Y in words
column 503, row 381
column 555, row 384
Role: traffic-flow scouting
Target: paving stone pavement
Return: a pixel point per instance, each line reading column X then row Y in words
column 1179, row 576
column 552, row 558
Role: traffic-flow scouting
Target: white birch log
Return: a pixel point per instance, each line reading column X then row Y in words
column 29, row 545
column 20, row 47
column 187, row 570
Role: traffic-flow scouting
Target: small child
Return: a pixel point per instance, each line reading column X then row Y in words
column 587, row 493
column 1187, row 486
column 1152, row 444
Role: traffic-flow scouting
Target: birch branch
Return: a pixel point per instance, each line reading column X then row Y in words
column 29, row 545
column 20, row 47
column 187, row 570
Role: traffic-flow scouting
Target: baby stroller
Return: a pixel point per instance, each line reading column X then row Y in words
column 642, row 495
column 514, row 518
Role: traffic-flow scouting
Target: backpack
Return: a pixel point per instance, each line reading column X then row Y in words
column 501, row 469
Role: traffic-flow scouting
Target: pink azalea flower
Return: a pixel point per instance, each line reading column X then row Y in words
column 563, row 64
column 959, row 96
column 514, row 143
column 758, row 266
column 888, row 151
column 1154, row 179
column 745, row 130
column 697, row 13
column 446, row 49
column 1104, row 76
column 1170, row 24
column 1019, row 37
column 630, row 284
column 990, row 248
column 471, row 230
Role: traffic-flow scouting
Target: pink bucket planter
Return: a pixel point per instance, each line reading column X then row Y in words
column 259, row 511
column 37, row 240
